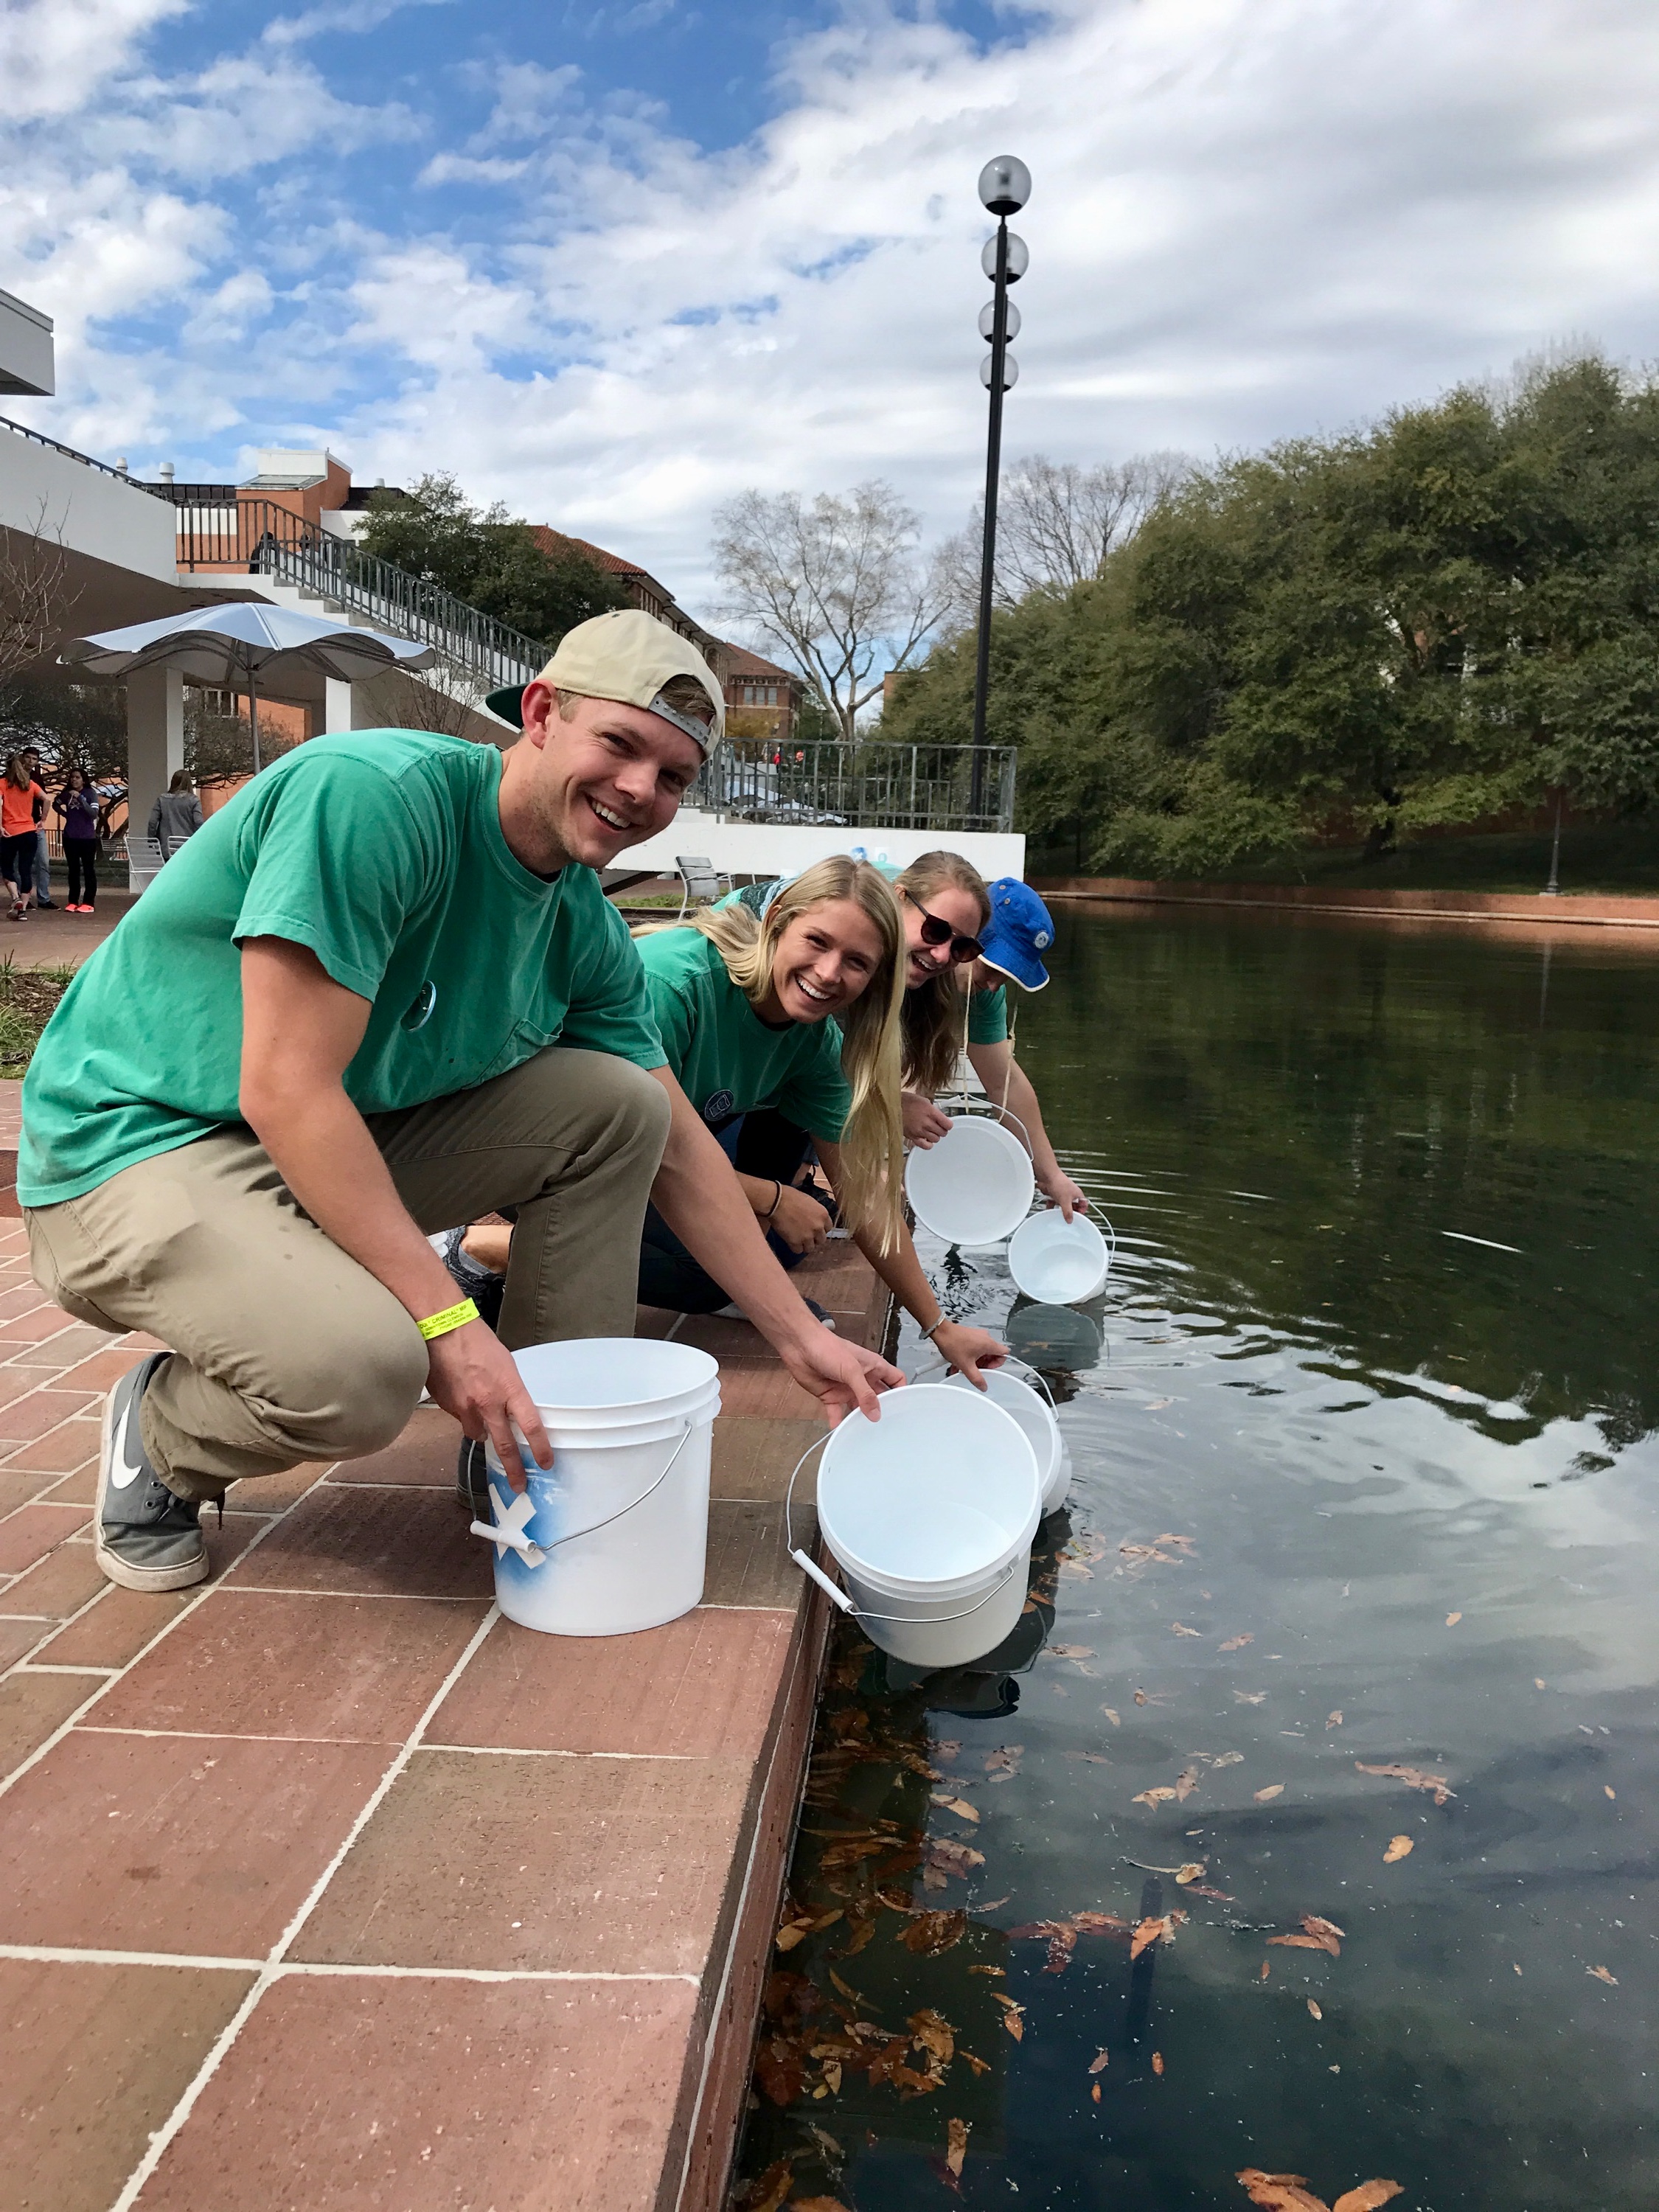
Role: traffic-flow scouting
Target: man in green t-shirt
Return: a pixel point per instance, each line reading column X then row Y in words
column 380, row 991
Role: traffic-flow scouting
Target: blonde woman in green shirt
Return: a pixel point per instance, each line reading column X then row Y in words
column 744, row 1004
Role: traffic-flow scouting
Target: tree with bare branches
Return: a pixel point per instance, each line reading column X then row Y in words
column 1056, row 523
column 838, row 585
column 35, row 601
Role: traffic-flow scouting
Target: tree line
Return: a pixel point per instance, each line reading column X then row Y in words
column 1433, row 621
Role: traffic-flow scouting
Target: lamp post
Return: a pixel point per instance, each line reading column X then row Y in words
column 1005, row 186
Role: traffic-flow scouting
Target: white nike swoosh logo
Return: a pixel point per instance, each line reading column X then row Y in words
column 125, row 1468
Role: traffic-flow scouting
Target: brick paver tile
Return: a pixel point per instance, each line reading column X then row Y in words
column 274, row 1493
column 17, row 1637
column 21, row 1299
column 62, row 1449
column 59, row 1586
column 33, row 1531
column 704, row 1686
column 409, row 1543
column 102, row 1370
column 93, row 2058
column 753, row 1458
column 66, row 1350
column 41, row 1321
column 344, row 2094
column 16, row 1490
column 32, row 1706
column 100, row 1837
column 767, row 1392
column 424, row 1455
column 80, row 1488
column 258, row 1664
column 114, row 1629
column 581, row 1865
column 749, row 1562
column 31, row 1414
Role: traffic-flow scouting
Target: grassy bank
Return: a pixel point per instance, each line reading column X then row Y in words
column 1607, row 859
column 28, row 996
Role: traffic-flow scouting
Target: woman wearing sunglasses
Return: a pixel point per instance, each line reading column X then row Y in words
column 966, row 937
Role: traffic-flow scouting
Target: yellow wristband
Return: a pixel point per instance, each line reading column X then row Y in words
column 456, row 1317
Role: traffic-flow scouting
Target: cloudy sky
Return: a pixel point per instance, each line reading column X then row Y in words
column 610, row 264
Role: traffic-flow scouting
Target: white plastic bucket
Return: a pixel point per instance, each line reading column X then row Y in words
column 1056, row 1261
column 1035, row 1417
column 974, row 1186
column 930, row 1512
column 614, row 1537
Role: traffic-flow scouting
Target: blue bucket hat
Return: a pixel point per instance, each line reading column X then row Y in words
column 1020, row 928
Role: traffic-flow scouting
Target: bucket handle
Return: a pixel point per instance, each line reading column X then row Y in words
column 809, row 1566
column 517, row 1540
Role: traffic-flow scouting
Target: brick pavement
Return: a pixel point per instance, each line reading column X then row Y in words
column 329, row 1886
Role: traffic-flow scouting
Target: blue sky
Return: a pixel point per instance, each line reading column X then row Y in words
column 614, row 264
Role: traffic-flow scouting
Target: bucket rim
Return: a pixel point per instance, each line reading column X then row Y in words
column 702, row 1373
column 1001, row 1140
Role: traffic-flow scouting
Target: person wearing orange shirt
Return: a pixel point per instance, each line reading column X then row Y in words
column 22, row 803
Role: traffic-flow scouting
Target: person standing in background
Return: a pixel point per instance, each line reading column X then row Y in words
column 41, row 868
column 177, row 814
column 79, row 818
column 19, row 834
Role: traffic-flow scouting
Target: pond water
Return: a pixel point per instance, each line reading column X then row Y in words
column 1362, row 1430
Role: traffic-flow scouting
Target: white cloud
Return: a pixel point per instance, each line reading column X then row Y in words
column 54, row 54
column 1250, row 217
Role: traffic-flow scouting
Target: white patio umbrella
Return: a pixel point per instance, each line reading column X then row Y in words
column 233, row 645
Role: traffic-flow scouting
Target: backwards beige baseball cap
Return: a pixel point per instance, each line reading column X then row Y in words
column 628, row 655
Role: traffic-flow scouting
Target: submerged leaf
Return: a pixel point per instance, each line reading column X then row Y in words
column 934, row 2035
column 1072, row 1651
column 1153, row 1798
column 1452, row 1620
column 1158, row 2062
column 1186, row 1782
column 1266, row 1796
column 1333, row 1720
column 1314, row 2009
column 1179, row 1629
column 1281, row 2192
column 1250, row 1696
column 955, row 2135
column 1111, row 1716
column 1099, row 2062
column 1414, row 1777
column 1400, row 1847
column 767, row 2191
column 959, row 1805
column 1368, row 2196
column 1150, row 1932
column 929, row 1933
column 1188, row 1874
column 1600, row 1974
column 1236, row 1643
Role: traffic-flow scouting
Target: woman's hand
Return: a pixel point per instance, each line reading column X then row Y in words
column 967, row 1350
column 800, row 1220
column 1058, row 1187
column 924, row 1125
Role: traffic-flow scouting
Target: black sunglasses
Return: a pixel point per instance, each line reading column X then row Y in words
column 935, row 930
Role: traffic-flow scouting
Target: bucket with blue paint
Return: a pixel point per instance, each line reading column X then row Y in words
column 612, row 1538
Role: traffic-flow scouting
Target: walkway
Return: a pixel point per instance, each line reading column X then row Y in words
column 331, row 1889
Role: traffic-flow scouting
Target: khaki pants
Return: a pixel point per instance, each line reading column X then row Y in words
column 287, row 1349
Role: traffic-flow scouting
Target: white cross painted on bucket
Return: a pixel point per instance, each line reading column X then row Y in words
column 511, row 1523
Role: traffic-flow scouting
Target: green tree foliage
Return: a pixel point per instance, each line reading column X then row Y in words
column 487, row 559
column 1451, row 615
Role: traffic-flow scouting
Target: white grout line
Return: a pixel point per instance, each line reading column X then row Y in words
column 378, row 1597
column 59, row 1954
column 274, row 1962
column 39, row 1666
column 533, row 1751
column 225, row 1735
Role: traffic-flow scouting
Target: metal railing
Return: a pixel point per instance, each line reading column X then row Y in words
column 39, row 438
column 874, row 786
column 260, row 538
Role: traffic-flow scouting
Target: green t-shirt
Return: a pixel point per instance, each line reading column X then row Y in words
column 728, row 1060
column 988, row 1016
column 382, row 851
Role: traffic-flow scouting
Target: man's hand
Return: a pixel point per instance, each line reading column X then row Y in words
column 800, row 1220
column 839, row 1375
column 969, row 1350
column 474, row 1376
column 924, row 1125
column 1058, row 1186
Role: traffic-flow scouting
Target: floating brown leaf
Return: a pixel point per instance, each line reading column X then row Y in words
column 1266, row 1969
column 1452, row 1620
column 1095, row 2093
column 846, row 1988
column 1072, row 1651
column 1608, row 1790
column 858, row 1933
column 1368, row 2197
column 1091, row 1757
column 1414, row 1777
column 1236, row 1643
column 979, row 2065
column 1250, row 1696
column 1140, row 1697
column 1400, row 1847
column 934, row 2033
column 1004, row 1760
column 1281, row 2192
column 1156, row 1405
column 1299, row 1942
column 955, row 2135
column 778, row 2070
column 1099, row 1923
column 1111, row 1716
column 1097, row 2064
column 1061, row 1944
column 1333, row 1720
column 767, row 2191
column 991, row 1973
column 1186, row 1876
column 1316, row 1926
column 1153, row 1798
column 929, row 1933
column 1186, row 1782
column 832, row 2076
column 1600, row 1974
column 1013, row 2015
column 1314, row 2009
column 1150, row 1932
column 959, row 1805
column 1179, row 1629
column 1228, row 1759
column 1266, row 1796
column 1221, row 1896
column 1158, row 2062
column 951, row 1856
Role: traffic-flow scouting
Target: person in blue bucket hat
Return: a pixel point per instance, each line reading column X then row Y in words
column 1020, row 930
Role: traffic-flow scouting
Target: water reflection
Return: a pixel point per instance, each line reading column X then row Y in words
column 1352, row 1494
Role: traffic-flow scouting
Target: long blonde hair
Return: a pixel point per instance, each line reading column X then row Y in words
column 933, row 1017
column 872, row 1139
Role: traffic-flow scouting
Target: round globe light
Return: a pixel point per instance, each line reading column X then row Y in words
column 1020, row 258
column 1005, row 184
column 988, row 319
column 1010, row 372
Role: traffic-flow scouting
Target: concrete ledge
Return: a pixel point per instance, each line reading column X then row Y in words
column 1570, row 910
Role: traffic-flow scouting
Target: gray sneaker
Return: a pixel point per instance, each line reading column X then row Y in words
column 146, row 1538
